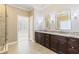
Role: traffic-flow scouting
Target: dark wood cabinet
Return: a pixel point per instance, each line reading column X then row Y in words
column 42, row 39
column 57, row 43
column 62, row 44
column 54, row 43
column 47, row 40
column 39, row 38
column 36, row 37
column 73, row 46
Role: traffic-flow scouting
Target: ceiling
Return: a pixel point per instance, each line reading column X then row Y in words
column 41, row 7
column 29, row 7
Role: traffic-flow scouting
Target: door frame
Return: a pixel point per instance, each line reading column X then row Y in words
column 28, row 25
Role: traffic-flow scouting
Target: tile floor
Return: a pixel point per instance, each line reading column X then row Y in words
column 24, row 46
column 29, row 48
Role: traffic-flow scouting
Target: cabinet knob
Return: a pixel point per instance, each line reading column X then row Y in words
column 72, row 47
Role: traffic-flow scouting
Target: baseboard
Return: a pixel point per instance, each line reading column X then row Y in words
column 11, row 43
column 5, row 49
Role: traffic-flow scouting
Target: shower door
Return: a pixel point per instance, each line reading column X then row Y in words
column 2, row 29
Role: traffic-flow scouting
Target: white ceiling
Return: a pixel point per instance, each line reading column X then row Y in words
column 41, row 7
column 29, row 7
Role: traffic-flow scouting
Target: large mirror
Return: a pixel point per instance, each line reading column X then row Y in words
column 60, row 20
column 63, row 20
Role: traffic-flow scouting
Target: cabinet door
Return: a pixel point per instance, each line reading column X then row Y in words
column 62, row 47
column 39, row 38
column 54, row 43
column 73, row 46
column 36, row 37
column 47, row 40
column 2, row 28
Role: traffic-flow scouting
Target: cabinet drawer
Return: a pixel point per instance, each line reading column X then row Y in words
column 74, row 40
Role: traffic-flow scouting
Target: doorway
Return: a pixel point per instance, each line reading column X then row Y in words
column 22, row 31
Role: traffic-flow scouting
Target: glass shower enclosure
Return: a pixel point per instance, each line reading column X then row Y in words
column 3, row 29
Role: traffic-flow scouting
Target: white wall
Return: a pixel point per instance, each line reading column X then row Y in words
column 39, row 18
column 75, row 22
column 12, row 13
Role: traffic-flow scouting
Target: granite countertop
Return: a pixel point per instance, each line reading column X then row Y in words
column 67, row 34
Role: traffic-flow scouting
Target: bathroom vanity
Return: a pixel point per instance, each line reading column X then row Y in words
column 60, row 42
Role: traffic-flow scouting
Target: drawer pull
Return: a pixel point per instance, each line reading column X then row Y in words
column 72, row 47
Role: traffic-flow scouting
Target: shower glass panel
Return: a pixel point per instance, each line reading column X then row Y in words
column 2, row 28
